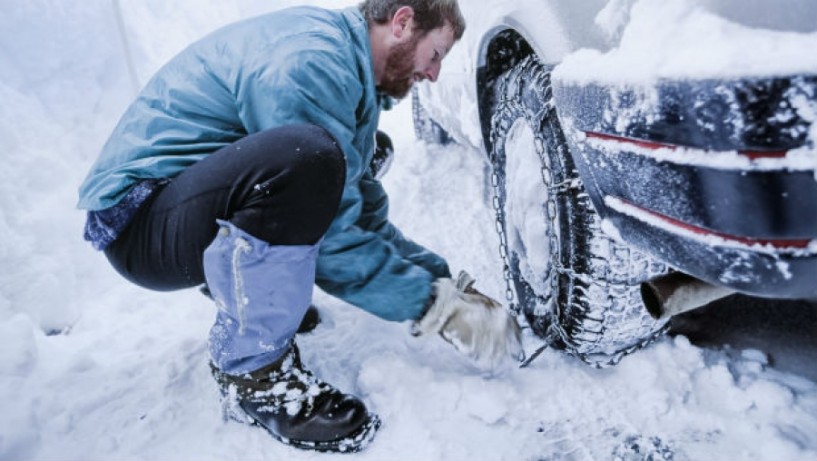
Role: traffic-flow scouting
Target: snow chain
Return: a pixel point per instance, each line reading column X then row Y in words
column 550, row 210
column 503, row 244
column 550, row 215
column 555, row 260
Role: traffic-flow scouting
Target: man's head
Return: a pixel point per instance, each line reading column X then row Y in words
column 409, row 40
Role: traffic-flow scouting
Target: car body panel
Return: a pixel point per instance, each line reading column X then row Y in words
column 720, row 166
column 714, row 176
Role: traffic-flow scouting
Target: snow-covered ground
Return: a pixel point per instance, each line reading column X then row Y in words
column 92, row 367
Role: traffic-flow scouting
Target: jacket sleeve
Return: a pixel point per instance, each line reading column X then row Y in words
column 375, row 218
column 324, row 87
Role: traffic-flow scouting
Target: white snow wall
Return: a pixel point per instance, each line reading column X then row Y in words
column 71, row 68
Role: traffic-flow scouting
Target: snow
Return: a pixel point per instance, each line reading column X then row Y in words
column 525, row 182
column 683, row 38
column 95, row 368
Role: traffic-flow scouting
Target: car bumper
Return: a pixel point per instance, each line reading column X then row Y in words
column 717, row 178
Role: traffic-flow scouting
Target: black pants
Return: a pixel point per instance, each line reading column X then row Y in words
column 282, row 186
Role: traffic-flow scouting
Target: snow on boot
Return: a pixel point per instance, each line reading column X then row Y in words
column 296, row 408
column 262, row 292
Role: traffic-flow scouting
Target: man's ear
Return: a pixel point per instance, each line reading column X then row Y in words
column 402, row 22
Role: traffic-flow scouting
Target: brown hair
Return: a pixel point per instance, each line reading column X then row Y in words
column 428, row 14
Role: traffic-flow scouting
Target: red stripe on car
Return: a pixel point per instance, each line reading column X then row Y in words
column 751, row 154
column 776, row 243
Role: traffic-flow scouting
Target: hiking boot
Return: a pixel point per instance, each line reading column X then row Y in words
column 296, row 408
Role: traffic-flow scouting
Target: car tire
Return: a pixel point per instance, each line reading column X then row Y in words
column 425, row 128
column 577, row 287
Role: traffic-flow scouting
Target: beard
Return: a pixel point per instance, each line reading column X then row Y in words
column 399, row 73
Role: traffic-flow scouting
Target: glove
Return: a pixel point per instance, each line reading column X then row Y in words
column 476, row 325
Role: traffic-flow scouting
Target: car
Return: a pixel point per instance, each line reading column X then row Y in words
column 645, row 157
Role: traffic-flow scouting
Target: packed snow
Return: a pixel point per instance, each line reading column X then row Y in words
column 95, row 368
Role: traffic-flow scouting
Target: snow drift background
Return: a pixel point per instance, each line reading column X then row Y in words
column 92, row 367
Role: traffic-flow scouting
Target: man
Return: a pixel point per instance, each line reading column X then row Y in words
column 244, row 164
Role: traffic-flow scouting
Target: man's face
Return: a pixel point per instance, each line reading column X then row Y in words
column 415, row 59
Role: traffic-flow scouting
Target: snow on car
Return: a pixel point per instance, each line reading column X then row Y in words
column 646, row 157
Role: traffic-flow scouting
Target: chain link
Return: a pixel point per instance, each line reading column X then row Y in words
column 503, row 244
column 551, row 214
column 550, row 235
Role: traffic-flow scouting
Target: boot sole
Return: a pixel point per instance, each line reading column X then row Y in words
column 352, row 443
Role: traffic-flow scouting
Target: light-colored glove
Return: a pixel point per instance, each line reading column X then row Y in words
column 476, row 325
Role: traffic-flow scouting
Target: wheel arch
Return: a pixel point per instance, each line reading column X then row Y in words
column 552, row 31
column 500, row 49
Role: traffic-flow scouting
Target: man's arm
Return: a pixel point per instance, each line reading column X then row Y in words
column 375, row 218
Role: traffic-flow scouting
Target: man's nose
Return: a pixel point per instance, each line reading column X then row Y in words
column 433, row 72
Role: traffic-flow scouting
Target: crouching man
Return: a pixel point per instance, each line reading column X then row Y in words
column 244, row 164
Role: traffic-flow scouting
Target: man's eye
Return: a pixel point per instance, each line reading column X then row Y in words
column 436, row 55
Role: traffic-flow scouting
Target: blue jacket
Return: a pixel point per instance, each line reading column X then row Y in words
column 297, row 65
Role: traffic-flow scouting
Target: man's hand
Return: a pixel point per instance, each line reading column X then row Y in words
column 476, row 325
